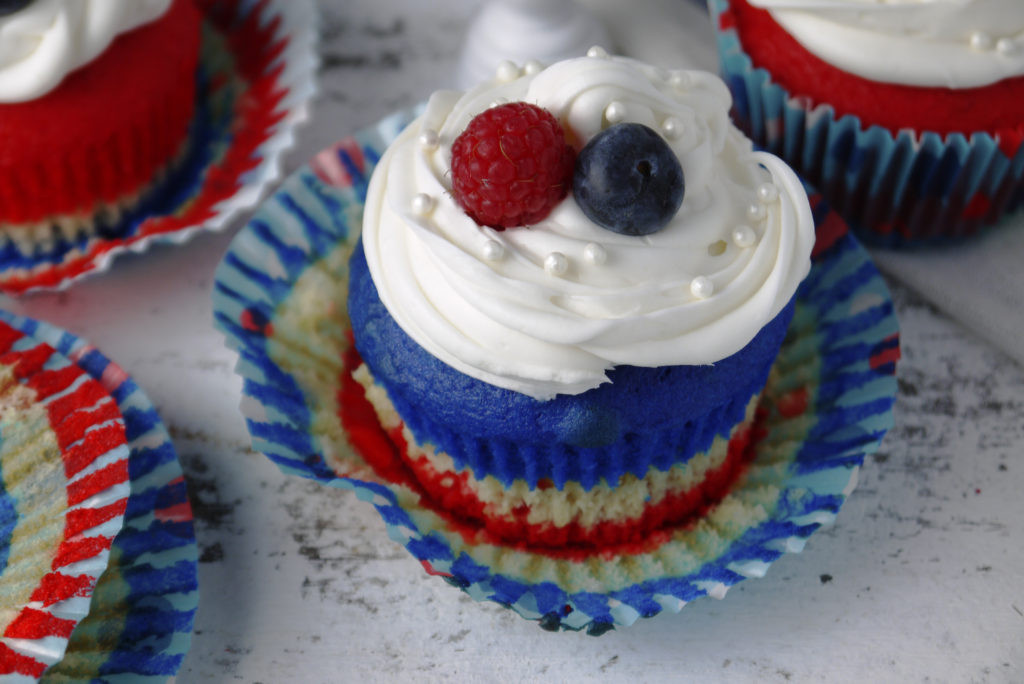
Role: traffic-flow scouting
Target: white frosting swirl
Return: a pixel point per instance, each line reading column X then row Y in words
column 548, row 309
column 48, row 39
column 945, row 43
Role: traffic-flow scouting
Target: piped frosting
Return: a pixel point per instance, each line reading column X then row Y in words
column 44, row 42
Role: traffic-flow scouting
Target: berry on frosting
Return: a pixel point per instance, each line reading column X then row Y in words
column 511, row 165
column 628, row 180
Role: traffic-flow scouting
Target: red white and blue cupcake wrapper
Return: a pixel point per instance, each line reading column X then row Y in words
column 254, row 84
column 911, row 188
column 63, row 496
column 139, row 624
column 279, row 298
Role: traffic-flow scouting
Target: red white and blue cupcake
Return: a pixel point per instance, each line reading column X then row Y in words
column 909, row 117
column 557, row 340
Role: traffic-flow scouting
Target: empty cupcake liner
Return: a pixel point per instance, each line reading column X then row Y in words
column 911, row 188
column 63, row 496
column 139, row 624
column 280, row 299
column 254, row 84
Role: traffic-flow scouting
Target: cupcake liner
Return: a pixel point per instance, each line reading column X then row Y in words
column 280, row 299
column 253, row 86
column 139, row 625
column 63, row 495
column 911, row 188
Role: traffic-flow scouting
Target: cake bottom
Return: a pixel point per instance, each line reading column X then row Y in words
column 628, row 510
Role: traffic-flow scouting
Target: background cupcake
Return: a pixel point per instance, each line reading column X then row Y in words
column 909, row 118
column 96, row 99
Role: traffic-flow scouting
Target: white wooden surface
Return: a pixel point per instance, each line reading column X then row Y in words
column 921, row 579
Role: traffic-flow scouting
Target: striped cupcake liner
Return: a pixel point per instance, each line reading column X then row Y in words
column 63, row 497
column 280, row 298
column 908, row 189
column 139, row 624
column 253, row 87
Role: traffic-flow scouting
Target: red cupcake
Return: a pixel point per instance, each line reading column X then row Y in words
column 908, row 116
column 96, row 99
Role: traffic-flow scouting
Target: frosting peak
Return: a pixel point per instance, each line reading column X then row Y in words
column 945, row 43
column 548, row 309
column 47, row 40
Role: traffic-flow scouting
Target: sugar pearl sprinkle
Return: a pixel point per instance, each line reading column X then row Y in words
column 597, row 51
column 744, row 236
column 507, row 71
column 493, row 250
column 429, row 139
column 680, row 79
column 533, row 67
column 1006, row 46
column 595, row 254
column 981, row 41
column 701, row 287
column 422, row 204
column 756, row 211
column 556, row 263
column 767, row 193
column 615, row 112
column 672, row 128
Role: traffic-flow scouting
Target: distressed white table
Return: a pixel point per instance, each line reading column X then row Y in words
column 921, row 579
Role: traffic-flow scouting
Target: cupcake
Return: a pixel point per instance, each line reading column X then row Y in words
column 909, row 117
column 570, row 288
column 96, row 99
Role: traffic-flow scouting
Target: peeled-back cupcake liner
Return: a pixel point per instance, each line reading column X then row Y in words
column 139, row 625
column 911, row 188
column 280, row 299
column 63, row 496
column 253, row 86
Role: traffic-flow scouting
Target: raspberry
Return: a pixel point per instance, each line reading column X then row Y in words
column 511, row 165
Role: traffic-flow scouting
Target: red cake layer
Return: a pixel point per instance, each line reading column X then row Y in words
column 452, row 491
column 107, row 130
column 997, row 108
column 385, row 450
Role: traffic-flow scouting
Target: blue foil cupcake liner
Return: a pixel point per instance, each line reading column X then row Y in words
column 280, row 299
column 139, row 624
column 912, row 188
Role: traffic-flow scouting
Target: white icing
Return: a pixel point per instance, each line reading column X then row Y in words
column 48, row 39
column 543, row 324
column 947, row 43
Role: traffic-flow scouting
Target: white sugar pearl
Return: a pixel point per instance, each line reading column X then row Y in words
column 1006, row 46
column 701, row 287
column 533, row 67
column 981, row 40
column 493, row 250
column 672, row 128
column 556, row 263
column 680, row 79
column 767, row 193
column 756, row 212
column 597, row 51
column 507, row 71
column 744, row 236
column 429, row 139
column 615, row 112
column 422, row 204
column 595, row 254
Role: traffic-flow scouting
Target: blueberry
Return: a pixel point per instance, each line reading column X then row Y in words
column 628, row 180
column 12, row 6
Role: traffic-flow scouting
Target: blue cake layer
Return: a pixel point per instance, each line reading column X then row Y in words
column 642, row 418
